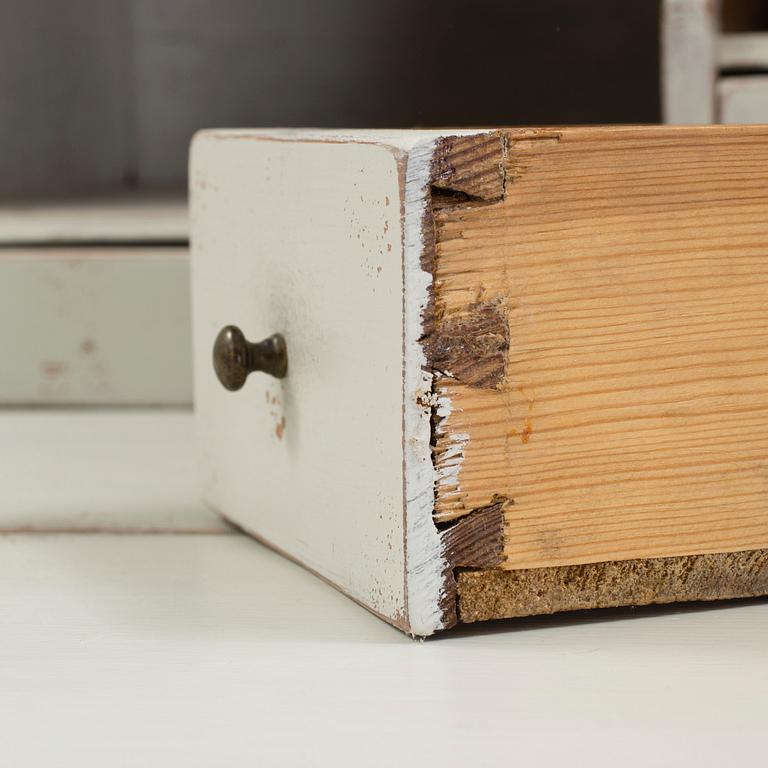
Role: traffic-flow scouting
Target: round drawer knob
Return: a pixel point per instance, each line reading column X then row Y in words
column 234, row 357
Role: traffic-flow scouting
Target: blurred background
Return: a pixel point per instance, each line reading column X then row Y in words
column 188, row 649
column 99, row 100
column 99, row 95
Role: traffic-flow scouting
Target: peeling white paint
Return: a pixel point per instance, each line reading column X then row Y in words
column 451, row 458
column 425, row 564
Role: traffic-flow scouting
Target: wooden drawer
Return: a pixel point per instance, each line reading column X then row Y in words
column 100, row 288
column 102, row 325
column 526, row 367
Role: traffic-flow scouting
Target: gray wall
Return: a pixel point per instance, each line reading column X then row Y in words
column 64, row 82
column 98, row 94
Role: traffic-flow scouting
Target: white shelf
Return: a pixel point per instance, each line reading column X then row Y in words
column 152, row 650
column 127, row 219
column 123, row 469
column 743, row 51
column 202, row 649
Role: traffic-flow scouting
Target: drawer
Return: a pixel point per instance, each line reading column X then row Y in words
column 492, row 373
column 102, row 324
column 100, row 287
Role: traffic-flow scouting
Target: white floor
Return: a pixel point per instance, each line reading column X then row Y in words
column 202, row 649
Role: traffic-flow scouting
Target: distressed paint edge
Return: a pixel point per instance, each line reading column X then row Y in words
column 428, row 577
column 430, row 587
column 424, row 561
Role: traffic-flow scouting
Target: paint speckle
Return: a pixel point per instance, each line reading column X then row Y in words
column 52, row 369
column 280, row 428
column 88, row 347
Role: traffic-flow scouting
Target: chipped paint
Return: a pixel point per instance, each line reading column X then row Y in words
column 425, row 562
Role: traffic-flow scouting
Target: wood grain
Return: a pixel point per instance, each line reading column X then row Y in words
column 471, row 165
column 631, row 420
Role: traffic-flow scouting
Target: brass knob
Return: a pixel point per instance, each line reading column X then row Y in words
column 234, row 357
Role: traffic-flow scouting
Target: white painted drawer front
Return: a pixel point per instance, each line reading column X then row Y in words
column 305, row 239
column 95, row 325
column 101, row 288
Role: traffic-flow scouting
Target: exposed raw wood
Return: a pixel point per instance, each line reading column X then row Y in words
column 497, row 594
column 477, row 540
column 474, row 541
column 631, row 420
column 471, row 165
column 472, row 346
